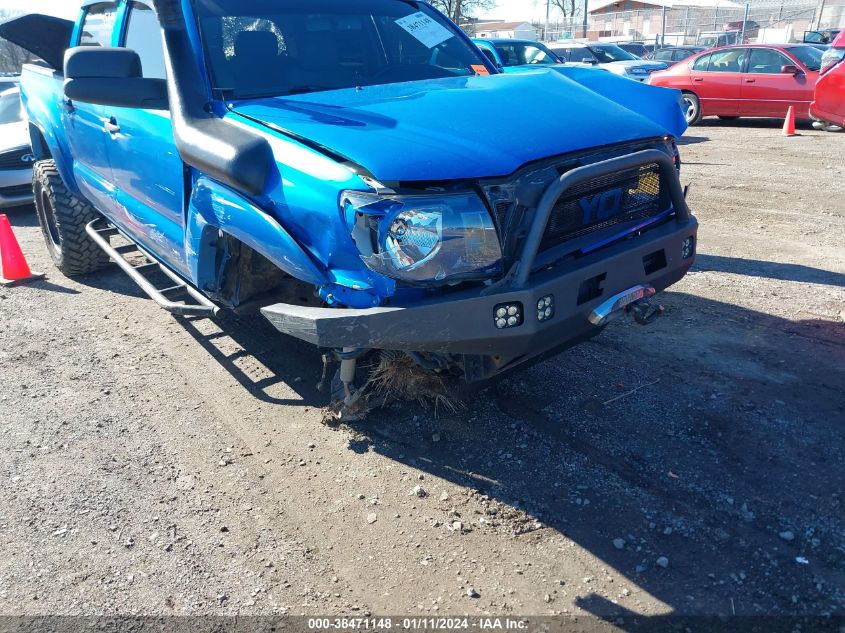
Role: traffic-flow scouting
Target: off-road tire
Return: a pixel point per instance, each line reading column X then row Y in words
column 63, row 218
column 692, row 108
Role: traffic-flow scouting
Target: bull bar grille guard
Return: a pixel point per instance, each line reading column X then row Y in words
column 530, row 251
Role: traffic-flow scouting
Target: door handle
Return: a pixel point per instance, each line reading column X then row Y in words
column 111, row 126
column 750, row 81
column 69, row 105
column 698, row 79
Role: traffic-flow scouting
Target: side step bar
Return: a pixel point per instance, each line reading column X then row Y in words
column 100, row 231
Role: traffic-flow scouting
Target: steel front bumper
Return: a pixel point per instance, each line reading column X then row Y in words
column 465, row 322
column 11, row 184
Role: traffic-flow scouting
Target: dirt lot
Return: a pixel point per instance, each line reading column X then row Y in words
column 152, row 465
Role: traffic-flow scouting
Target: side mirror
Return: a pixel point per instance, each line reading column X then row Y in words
column 111, row 77
column 791, row 69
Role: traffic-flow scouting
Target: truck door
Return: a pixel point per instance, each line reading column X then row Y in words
column 146, row 167
column 84, row 123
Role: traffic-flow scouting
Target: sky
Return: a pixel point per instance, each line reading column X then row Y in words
column 510, row 10
column 62, row 8
column 514, row 10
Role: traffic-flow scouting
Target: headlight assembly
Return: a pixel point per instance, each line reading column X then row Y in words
column 426, row 240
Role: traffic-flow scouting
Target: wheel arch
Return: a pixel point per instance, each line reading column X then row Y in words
column 216, row 212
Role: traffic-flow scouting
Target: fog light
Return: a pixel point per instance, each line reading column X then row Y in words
column 546, row 308
column 688, row 248
column 508, row 315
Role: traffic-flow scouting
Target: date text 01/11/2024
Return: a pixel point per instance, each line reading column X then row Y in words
column 413, row 624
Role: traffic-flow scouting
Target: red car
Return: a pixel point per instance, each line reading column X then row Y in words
column 759, row 80
column 829, row 105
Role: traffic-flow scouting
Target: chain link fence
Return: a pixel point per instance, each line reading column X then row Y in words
column 768, row 21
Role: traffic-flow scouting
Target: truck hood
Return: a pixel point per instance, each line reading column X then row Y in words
column 472, row 127
column 45, row 36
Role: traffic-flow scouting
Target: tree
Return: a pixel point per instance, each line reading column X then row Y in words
column 459, row 11
column 12, row 57
column 569, row 8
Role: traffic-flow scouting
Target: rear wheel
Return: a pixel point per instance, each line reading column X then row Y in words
column 63, row 218
column 692, row 108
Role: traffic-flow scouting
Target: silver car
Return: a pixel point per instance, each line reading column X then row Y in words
column 16, row 156
column 607, row 57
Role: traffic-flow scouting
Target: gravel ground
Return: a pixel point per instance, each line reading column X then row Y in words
column 156, row 465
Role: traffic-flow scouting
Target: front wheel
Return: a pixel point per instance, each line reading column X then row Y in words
column 692, row 108
column 63, row 218
column 830, row 127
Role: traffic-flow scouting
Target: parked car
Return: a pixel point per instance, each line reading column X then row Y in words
column 637, row 49
column 16, row 156
column 745, row 81
column 752, row 29
column 349, row 171
column 716, row 39
column 508, row 54
column 828, row 107
column 608, row 57
column 674, row 54
column 825, row 36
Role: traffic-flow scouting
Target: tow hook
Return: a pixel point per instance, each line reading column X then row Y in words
column 644, row 312
column 633, row 301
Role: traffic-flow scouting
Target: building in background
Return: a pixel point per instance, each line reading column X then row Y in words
column 500, row 29
column 692, row 22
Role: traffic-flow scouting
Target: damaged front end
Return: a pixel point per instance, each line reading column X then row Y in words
column 569, row 234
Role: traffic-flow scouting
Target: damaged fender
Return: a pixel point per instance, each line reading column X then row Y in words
column 214, row 207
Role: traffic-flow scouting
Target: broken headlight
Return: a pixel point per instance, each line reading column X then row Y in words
column 427, row 240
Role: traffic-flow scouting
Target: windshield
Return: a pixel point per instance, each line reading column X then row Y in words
column 524, row 53
column 819, row 37
column 11, row 110
column 611, row 53
column 261, row 48
column 810, row 56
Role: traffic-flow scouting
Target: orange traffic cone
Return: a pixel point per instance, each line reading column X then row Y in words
column 13, row 266
column 789, row 124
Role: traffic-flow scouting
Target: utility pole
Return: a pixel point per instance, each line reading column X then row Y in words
column 584, row 25
column 546, row 30
column 663, row 29
column 821, row 12
column 744, row 21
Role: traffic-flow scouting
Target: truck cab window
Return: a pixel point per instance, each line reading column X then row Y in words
column 143, row 35
column 98, row 25
column 264, row 48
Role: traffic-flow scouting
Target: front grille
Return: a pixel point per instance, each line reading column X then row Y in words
column 604, row 202
column 14, row 160
column 14, row 192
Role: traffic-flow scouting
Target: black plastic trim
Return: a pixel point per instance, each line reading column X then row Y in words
column 231, row 154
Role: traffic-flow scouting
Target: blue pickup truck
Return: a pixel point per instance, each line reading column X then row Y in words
column 357, row 171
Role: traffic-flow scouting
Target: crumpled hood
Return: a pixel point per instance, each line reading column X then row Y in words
column 473, row 127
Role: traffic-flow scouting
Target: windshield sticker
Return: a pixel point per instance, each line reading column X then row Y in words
column 480, row 70
column 425, row 29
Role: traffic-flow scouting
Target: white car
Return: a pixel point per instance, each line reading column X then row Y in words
column 607, row 57
column 16, row 156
